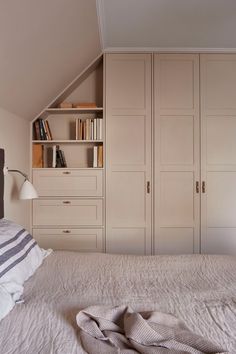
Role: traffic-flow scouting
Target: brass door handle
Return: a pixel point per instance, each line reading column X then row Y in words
column 197, row 187
column 148, row 187
column 203, row 187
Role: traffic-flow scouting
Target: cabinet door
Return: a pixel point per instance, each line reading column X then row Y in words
column 176, row 153
column 128, row 153
column 218, row 112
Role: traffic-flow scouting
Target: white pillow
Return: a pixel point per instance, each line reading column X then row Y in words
column 20, row 256
column 9, row 294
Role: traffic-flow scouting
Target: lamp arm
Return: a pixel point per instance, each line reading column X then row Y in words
column 18, row 171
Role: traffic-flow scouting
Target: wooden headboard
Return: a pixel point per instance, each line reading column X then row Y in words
column 1, row 183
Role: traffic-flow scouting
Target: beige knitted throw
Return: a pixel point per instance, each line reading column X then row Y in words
column 110, row 330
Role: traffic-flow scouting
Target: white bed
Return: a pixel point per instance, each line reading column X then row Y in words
column 200, row 290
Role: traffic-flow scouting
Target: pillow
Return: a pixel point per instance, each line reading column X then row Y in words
column 20, row 254
column 9, row 294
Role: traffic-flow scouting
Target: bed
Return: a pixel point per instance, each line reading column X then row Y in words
column 199, row 289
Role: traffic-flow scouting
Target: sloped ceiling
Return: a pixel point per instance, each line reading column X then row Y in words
column 168, row 23
column 43, row 46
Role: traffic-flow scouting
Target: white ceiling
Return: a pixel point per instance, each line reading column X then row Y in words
column 168, row 23
column 43, row 46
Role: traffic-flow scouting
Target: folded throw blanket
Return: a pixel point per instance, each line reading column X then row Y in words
column 108, row 330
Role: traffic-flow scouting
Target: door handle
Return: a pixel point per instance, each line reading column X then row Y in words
column 197, row 187
column 148, row 187
column 203, row 187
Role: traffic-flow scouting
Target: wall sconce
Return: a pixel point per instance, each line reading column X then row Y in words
column 27, row 190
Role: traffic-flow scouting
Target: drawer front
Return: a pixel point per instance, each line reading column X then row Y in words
column 84, row 240
column 66, row 182
column 68, row 212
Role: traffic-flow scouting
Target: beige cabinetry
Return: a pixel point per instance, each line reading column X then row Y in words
column 218, row 153
column 69, row 213
column 128, row 153
column 176, row 153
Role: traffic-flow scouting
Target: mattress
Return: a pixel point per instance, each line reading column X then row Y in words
column 200, row 290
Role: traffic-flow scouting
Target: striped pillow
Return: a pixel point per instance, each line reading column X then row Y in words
column 20, row 254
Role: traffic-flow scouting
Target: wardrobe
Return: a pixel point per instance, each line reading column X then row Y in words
column 170, row 153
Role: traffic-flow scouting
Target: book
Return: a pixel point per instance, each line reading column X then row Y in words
column 63, row 158
column 100, row 156
column 48, row 130
column 95, row 156
column 95, row 129
column 37, row 130
column 65, row 105
column 54, row 159
column 85, row 105
column 38, row 154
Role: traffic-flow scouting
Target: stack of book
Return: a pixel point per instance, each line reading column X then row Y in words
column 42, row 130
column 89, row 129
column 98, row 156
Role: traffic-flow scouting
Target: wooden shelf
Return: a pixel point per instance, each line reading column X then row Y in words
column 73, row 110
column 65, row 141
column 68, row 168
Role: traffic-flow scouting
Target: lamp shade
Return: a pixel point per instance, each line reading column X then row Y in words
column 28, row 191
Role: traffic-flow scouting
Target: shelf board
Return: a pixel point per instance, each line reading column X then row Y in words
column 73, row 110
column 65, row 141
column 68, row 168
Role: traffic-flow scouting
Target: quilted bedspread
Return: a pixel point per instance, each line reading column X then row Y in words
column 200, row 290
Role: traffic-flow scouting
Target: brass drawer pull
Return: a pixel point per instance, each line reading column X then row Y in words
column 66, row 172
column 66, row 202
column 66, row 231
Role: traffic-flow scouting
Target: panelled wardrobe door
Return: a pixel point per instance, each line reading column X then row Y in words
column 176, row 153
column 218, row 112
column 128, row 153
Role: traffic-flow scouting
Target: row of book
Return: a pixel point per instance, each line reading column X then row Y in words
column 42, row 130
column 89, row 129
column 53, row 156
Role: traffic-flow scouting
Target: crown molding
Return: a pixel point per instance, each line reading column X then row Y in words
column 169, row 50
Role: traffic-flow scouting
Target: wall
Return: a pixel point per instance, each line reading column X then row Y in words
column 14, row 138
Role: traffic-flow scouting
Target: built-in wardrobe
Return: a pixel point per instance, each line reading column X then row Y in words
column 170, row 153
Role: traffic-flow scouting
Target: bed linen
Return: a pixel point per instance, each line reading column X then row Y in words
column 199, row 290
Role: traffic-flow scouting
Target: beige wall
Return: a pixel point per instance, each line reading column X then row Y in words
column 14, row 138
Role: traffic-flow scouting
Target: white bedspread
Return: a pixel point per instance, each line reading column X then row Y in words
column 200, row 290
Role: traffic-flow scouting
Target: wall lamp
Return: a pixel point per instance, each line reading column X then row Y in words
column 27, row 190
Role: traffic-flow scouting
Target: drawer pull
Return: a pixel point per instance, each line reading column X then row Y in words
column 66, row 173
column 66, row 231
column 66, row 202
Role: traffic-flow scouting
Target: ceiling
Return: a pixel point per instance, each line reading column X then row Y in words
column 45, row 44
column 168, row 23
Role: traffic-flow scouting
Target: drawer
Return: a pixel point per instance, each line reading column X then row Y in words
column 67, row 182
column 84, row 240
column 68, row 212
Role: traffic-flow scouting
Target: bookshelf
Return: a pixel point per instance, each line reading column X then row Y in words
column 67, row 125
column 71, row 197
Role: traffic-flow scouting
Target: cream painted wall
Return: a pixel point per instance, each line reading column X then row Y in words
column 14, row 138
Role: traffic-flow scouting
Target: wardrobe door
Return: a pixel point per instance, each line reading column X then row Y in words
column 218, row 112
column 128, row 153
column 176, row 153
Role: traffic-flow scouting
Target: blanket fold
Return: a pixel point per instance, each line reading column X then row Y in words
column 108, row 330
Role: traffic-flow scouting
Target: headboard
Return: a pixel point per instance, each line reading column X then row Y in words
column 1, row 183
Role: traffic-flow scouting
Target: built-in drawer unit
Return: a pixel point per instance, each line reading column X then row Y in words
column 67, row 212
column 68, row 182
column 84, row 240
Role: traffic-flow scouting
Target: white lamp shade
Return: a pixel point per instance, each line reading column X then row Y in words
column 28, row 191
